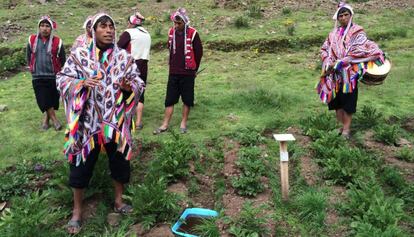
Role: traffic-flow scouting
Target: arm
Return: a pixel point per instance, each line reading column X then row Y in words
column 28, row 54
column 124, row 40
column 198, row 50
column 62, row 55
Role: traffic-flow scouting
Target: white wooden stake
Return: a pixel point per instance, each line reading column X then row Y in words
column 284, row 162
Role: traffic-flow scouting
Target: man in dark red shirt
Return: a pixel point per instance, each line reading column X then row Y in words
column 186, row 52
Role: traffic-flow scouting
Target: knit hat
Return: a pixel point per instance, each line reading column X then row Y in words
column 342, row 5
column 53, row 25
column 182, row 13
column 136, row 19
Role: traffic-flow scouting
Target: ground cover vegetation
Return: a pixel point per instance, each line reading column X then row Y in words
column 262, row 64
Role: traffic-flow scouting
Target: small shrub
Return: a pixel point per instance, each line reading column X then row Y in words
column 252, row 168
column 318, row 124
column 248, row 136
column 393, row 178
column 387, row 134
column 32, row 215
column 250, row 222
column 207, row 228
column 406, row 154
column 171, row 160
column 286, row 11
column 325, row 147
column 254, row 11
column 362, row 229
column 347, row 164
column 311, row 206
column 368, row 118
column 153, row 203
column 12, row 62
column 241, row 22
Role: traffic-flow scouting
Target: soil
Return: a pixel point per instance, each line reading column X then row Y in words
column 308, row 168
column 162, row 230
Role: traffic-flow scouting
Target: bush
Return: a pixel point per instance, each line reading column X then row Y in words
column 248, row 136
column 241, row 22
column 172, row 159
column 250, row 222
column 311, row 206
column 12, row 62
column 31, row 215
column 406, row 154
column 318, row 124
column 254, row 11
column 153, row 203
column 387, row 134
column 368, row 118
column 347, row 165
column 324, row 148
column 252, row 168
column 286, row 11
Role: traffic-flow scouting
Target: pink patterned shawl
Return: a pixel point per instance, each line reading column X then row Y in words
column 348, row 49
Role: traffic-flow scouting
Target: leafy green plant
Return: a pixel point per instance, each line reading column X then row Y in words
column 347, row 164
column 252, row 168
column 406, row 154
column 207, row 228
column 241, row 22
column 254, row 11
column 387, row 134
column 248, row 136
column 152, row 202
column 368, row 118
column 171, row 160
column 325, row 147
column 158, row 29
column 369, row 206
column 393, row 178
column 311, row 206
column 317, row 124
column 250, row 222
column 31, row 215
column 12, row 62
column 286, row 11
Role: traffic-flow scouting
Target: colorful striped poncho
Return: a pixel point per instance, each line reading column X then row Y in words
column 349, row 50
column 102, row 114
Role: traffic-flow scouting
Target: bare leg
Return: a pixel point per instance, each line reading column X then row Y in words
column 46, row 119
column 347, row 120
column 340, row 118
column 119, row 190
column 77, row 208
column 140, row 108
column 167, row 116
column 186, row 112
column 52, row 115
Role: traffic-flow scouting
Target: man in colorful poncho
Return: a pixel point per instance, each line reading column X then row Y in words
column 100, row 87
column 137, row 41
column 45, row 57
column 85, row 39
column 345, row 54
column 186, row 52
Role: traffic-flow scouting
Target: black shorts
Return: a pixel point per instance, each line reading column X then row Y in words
column 143, row 73
column 46, row 94
column 347, row 101
column 80, row 176
column 180, row 85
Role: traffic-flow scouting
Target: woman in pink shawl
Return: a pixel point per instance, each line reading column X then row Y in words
column 345, row 54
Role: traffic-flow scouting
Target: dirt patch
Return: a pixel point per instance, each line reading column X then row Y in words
column 308, row 168
column 408, row 124
column 9, row 30
column 90, row 206
column 230, row 158
column 162, row 230
column 405, row 167
column 178, row 188
column 205, row 196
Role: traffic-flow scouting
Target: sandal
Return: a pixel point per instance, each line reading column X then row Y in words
column 159, row 131
column 58, row 126
column 124, row 210
column 45, row 126
column 347, row 136
column 139, row 126
column 183, row 130
column 74, row 227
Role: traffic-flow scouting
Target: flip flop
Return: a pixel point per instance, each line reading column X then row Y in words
column 159, row 131
column 45, row 126
column 139, row 126
column 58, row 126
column 183, row 130
column 124, row 210
column 74, row 227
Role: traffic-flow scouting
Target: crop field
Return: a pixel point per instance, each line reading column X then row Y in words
column 261, row 61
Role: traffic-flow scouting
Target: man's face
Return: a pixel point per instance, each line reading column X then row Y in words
column 179, row 24
column 45, row 29
column 104, row 33
column 344, row 18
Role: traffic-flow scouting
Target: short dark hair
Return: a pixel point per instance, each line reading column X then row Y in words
column 342, row 10
column 45, row 21
column 103, row 20
column 178, row 18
